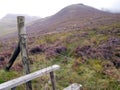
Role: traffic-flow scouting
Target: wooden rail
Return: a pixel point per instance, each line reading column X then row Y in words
column 23, row 79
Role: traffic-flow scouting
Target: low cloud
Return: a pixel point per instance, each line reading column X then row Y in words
column 115, row 7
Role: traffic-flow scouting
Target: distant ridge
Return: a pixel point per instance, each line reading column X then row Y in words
column 12, row 17
column 76, row 16
column 8, row 24
column 72, row 17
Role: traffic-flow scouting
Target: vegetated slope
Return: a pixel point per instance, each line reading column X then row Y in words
column 8, row 24
column 89, row 55
column 76, row 16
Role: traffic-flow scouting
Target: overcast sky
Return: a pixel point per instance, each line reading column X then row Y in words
column 45, row 8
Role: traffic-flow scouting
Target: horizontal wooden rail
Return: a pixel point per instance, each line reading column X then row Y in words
column 23, row 79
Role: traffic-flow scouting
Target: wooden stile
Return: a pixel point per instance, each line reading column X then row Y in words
column 23, row 79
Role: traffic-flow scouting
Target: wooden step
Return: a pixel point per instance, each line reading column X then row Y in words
column 73, row 86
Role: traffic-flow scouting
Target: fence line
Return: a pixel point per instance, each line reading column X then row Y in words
column 23, row 79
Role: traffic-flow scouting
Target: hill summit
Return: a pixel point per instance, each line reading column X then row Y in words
column 73, row 17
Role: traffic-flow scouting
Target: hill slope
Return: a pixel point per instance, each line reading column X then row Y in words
column 77, row 16
column 90, row 57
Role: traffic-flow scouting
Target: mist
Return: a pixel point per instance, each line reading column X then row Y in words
column 114, row 8
column 47, row 8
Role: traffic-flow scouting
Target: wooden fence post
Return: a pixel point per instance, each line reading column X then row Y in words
column 52, row 76
column 23, row 47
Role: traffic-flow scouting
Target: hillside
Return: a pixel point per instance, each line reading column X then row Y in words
column 84, row 41
column 74, row 17
column 8, row 24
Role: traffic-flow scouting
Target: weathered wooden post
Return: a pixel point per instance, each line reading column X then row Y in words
column 52, row 76
column 23, row 47
column 13, row 57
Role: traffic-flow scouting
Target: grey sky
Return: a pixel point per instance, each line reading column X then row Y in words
column 116, row 6
column 45, row 8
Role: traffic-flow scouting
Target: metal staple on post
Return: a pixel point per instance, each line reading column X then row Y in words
column 23, row 47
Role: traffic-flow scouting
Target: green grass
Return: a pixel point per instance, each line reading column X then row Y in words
column 73, row 70
column 5, row 76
